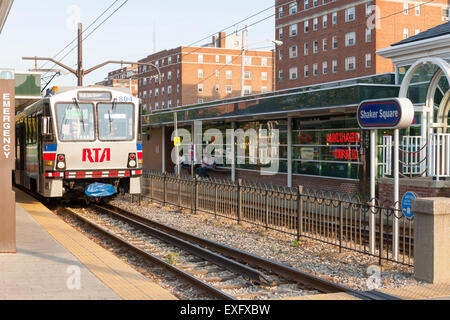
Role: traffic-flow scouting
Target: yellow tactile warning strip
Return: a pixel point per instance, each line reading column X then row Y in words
column 427, row 291
column 121, row 278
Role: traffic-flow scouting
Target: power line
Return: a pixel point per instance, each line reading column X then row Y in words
column 96, row 28
column 75, row 39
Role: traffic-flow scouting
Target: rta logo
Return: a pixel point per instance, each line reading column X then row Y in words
column 98, row 155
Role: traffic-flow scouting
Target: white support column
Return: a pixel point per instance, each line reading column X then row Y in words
column 395, row 224
column 289, row 152
column 373, row 169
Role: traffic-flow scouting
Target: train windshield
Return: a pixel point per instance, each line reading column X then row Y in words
column 115, row 121
column 75, row 121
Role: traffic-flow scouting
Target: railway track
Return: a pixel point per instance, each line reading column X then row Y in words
column 222, row 271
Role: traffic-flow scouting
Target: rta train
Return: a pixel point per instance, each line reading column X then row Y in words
column 82, row 142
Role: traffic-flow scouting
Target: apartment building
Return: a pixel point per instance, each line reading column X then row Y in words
column 191, row 75
column 123, row 78
column 331, row 40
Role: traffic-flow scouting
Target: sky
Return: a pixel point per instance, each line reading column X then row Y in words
column 43, row 28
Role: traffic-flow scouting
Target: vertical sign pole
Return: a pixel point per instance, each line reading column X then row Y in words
column 395, row 226
column 372, row 212
column 163, row 149
column 289, row 151
column 233, row 153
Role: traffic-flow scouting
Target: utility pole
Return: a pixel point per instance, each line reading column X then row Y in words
column 80, row 55
column 244, row 47
column 80, row 72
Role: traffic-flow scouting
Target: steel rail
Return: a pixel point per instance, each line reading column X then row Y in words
column 185, row 275
column 298, row 276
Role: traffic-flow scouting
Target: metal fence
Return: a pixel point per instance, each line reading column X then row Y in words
column 338, row 219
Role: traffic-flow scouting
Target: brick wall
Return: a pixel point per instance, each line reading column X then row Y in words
column 386, row 191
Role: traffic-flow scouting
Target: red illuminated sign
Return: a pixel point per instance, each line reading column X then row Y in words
column 343, row 137
column 98, row 157
column 346, row 154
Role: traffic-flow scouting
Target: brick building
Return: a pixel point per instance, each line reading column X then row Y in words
column 122, row 78
column 331, row 40
column 191, row 75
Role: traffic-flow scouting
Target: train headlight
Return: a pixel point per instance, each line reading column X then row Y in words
column 61, row 164
column 132, row 160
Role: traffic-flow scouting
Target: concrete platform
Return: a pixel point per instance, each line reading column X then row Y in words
column 56, row 262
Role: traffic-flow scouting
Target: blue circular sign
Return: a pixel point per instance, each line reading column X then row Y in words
column 407, row 204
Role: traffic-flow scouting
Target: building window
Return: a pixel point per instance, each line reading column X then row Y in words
column 315, row 46
column 280, row 34
column 325, row 44
column 315, row 24
column 264, row 89
column 293, row 8
column 350, row 63
column 334, row 66
column 169, row 75
column 169, row 104
column 350, row 14
column 293, row 52
column 405, row 33
column 178, row 58
column 305, row 49
column 248, row 75
column 293, row 73
column 178, row 102
column 229, row 74
column 368, row 35
column 280, row 74
column 368, row 60
column 264, row 62
column 405, row 8
column 417, row 10
column 156, row 92
column 334, row 18
column 217, row 88
column 368, row 8
column 145, row 81
column 248, row 61
column 200, row 87
column 217, row 73
column 200, row 100
column 228, row 60
column 169, row 89
column 178, row 73
column 163, row 91
column 169, row 60
column 247, row 90
column 217, row 58
column 280, row 54
column 280, row 12
column 325, row 67
column 306, row 26
column 200, row 58
column 200, row 73
column 293, row 30
column 417, row 31
column 335, row 42
column 156, row 105
column 325, row 21
column 145, row 94
column 445, row 14
column 264, row 76
column 315, row 3
column 150, row 93
column 163, row 75
column 178, row 88
column 306, row 4
column 350, row 39
column 315, row 69
column 306, row 71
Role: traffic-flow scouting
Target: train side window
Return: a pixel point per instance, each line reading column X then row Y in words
column 27, row 130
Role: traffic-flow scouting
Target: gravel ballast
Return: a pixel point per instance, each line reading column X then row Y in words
column 352, row 269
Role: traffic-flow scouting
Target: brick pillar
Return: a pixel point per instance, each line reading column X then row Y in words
column 432, row 239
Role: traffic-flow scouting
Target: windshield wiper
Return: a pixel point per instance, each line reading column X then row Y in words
column 80, row 113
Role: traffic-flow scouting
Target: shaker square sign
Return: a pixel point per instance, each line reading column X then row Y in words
column 393, row 113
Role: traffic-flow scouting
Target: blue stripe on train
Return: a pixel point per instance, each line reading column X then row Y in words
column 50, row 147
column 139, row 147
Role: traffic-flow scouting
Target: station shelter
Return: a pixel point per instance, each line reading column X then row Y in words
column 320, row 144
